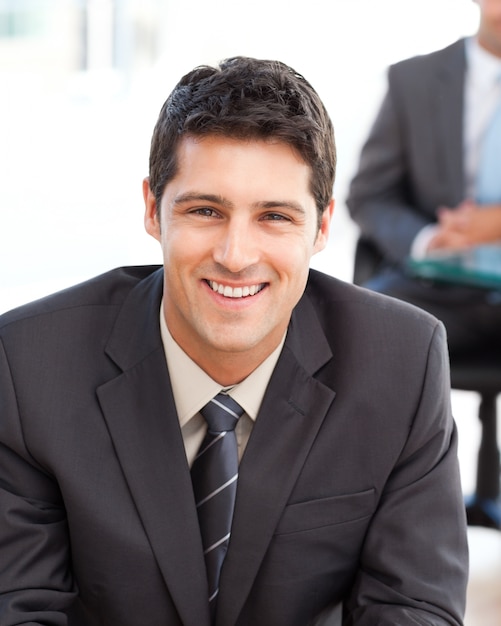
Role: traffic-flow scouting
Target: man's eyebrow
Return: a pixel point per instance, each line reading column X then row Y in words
column 194, row 196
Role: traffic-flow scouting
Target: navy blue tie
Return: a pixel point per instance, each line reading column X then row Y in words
column 214, row 474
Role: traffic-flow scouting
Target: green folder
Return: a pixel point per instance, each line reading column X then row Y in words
column 478, row 267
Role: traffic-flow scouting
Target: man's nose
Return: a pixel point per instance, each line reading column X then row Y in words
column 237, row 247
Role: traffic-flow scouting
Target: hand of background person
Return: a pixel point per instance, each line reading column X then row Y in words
column 467, row 225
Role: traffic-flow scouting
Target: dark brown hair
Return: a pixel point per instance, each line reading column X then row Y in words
column 246, row 98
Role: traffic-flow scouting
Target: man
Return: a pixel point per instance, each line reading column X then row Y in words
column 348, row 488
column 420, row 186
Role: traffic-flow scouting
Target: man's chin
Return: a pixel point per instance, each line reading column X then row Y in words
column 236, row 344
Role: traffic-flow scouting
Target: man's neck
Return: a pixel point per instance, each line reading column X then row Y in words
column 229, row 369
column 489, row 44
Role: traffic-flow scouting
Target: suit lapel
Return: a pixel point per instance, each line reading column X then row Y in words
column 292, row 412
column 140, row 414
column 449, row 98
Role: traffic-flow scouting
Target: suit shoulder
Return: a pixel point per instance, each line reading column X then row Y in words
column 105, row 290
column 339, row 301
column 430, row 62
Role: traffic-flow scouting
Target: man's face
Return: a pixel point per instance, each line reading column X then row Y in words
column 238, row 226
column 489, row 32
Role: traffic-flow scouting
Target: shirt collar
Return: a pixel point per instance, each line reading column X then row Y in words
column 484, row 67
column 190, row 398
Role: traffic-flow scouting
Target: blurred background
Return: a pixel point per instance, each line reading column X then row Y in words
column 82, row 82
column 81, row 85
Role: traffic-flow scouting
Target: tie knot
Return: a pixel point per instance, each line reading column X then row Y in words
column 221, row 413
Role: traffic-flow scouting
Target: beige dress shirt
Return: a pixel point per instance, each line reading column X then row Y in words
column 193, row 388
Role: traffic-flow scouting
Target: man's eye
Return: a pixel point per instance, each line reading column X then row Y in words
column 205, row 211
column 275, row 217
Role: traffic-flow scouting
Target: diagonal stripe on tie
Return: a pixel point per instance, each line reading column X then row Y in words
column 217, row 490
column 214, row 475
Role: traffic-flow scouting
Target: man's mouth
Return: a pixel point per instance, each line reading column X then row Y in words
column 235, row 292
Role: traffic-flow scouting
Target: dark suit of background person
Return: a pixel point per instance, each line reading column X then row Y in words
column 348, row 489
column 413, row 163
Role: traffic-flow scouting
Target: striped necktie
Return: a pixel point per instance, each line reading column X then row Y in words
column 214, row 474
column 488, row 185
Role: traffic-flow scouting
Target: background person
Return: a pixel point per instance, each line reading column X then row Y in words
column 423, row 183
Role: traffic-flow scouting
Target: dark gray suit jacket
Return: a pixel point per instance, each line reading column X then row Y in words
column 412, row 161
column 348, row 489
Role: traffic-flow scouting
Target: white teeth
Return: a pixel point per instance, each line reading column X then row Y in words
column 236, row 292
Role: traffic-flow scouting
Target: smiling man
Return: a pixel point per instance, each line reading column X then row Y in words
column 238, row 225
column 231, row 438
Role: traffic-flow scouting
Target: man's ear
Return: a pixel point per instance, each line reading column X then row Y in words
column 151, row 221
column 323, row 232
